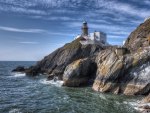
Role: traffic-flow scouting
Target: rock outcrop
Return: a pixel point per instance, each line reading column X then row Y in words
column 119, row 70
column 144, row 105
column 55, row 63
column 140, row 37
column 79, row 73
column 19, row 69
column 126, row 73
column 146, row 99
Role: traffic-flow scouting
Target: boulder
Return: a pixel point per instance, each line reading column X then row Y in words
column 79, row 73
column 19, row 69
column 33, row 71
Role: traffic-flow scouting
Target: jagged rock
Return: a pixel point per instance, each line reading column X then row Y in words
column 109, row 68
column 144, row 109
column 127, row 74
column 80, row 72
column 19, row 69
column 146, row 99
column 139, row 37
column 33, row 71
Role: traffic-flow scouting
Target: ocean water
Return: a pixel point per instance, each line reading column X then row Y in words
column 22, row 94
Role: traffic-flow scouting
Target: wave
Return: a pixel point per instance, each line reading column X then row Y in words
column 57, row 83
column 15, row 111
column 137, row 105
column 17, row 74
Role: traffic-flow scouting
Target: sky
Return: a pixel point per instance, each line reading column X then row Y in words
column 32, row 29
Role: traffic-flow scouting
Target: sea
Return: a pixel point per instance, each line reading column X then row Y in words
column 23, row 94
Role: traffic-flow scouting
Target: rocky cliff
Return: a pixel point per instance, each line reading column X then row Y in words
column 124, row 70
column 127, row 73
column 61, row 60
column 140, row 37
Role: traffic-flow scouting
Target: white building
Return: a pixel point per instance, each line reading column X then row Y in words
column 92, row 38
column 99, row 37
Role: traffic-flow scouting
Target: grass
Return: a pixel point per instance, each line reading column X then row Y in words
column 74, row 44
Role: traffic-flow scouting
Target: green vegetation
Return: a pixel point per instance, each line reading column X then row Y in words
column 73, row 45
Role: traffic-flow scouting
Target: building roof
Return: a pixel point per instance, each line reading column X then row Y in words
column 84, row 22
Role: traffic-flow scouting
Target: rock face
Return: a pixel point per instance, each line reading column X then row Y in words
column 55, row 63
column 146, row 99
column 80, row 72
column 144, row 106
column 119, row 70
column 128, row 73
column 139, row 38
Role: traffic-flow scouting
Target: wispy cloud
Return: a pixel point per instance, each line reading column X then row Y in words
column 60, row 6
column 123, row 8
column 107, row 27
column 60, row 34
column 20, row 30
column 12, row 29
column 28, row 42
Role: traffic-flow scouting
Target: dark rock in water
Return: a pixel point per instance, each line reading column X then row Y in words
column 80, row 72
column 19, row 69
column 33, row 71
column 50, row 77
column 144, row 109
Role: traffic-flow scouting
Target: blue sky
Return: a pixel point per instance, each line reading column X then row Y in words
column 31, row 29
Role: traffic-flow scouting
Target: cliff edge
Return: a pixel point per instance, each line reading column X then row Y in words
column 119, row 70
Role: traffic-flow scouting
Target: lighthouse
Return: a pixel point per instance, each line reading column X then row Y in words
column 99, row 38
column 84, row 29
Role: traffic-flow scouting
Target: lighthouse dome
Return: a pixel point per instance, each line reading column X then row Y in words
column 84, row 22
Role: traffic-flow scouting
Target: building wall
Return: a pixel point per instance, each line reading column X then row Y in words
column 99, row 36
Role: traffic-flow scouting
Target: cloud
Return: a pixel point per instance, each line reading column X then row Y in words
column 123, row 8
column 9, row 8
column 116, row 37
column 20, row 30
column 12, row 29
column 28, row 42
column 60, row 33
column 110, row 28
column 74, row 7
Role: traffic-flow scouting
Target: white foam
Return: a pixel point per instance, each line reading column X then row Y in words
column 15, row 111
column 137, row 105
column 57, row 83
column 102, row 96
column 18, row 74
